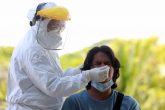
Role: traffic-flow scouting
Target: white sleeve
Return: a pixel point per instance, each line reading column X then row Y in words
column 73, row 71
column 47, row 78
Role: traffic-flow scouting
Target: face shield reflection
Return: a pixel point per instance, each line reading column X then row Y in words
column 56, row 25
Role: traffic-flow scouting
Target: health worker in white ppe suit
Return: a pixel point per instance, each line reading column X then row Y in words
column 36, row 80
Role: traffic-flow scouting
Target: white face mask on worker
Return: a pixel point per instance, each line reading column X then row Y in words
column 48, row 40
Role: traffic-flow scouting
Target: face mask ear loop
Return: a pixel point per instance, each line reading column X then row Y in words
column 45, row 36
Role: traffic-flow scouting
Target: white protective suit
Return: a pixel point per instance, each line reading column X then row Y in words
column 36, row 80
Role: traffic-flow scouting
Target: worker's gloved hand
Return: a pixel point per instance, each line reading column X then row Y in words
column 99, row 74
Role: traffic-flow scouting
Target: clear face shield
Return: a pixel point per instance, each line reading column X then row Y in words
column 52, row 34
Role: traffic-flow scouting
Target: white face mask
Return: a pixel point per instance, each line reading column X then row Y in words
column 102, row 87
column 48, row 40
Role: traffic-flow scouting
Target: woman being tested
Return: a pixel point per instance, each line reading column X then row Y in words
column 101, row 95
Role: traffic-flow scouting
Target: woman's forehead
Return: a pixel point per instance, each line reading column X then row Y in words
column 101, row 56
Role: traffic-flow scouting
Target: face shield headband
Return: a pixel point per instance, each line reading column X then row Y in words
column 37, row 17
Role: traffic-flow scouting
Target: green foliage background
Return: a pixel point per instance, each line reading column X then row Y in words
column 142, row 74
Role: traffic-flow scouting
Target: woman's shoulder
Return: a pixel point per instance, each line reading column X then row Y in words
column 76, row 96
column 129, row 99
column 129, row 102
column 126, row 98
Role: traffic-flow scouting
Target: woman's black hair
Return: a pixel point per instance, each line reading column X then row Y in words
column 114, row 62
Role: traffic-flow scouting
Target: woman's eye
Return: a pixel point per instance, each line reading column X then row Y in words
column 107, row 63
